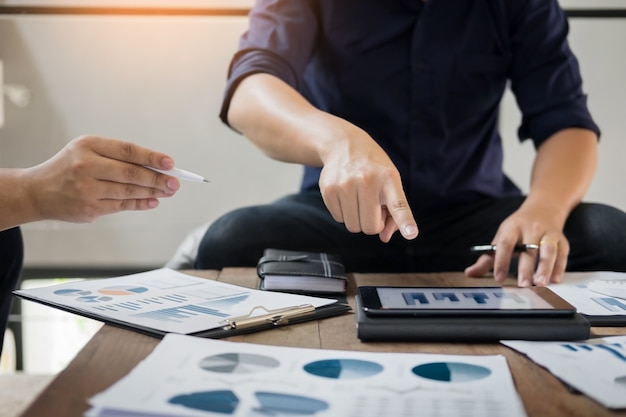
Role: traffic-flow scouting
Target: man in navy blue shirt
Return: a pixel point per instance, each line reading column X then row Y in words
column 392, row 108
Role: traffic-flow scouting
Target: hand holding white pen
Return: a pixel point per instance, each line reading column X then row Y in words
column 180, row 174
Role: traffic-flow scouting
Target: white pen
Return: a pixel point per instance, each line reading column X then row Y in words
column 180, row 174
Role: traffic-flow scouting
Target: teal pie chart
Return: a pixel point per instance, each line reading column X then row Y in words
column 94, row 299
column 275, row 404
column 221, row 402
column 451, row 371
column 279, row 404
column 71, row 292
column 83, row 296
column 343, row 368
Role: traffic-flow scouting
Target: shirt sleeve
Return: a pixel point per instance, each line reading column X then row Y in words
column 545, row 75
column 279, row 41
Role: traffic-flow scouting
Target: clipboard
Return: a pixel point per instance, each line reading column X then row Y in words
column 273, row 318
column 235, row 326
column 245, row 324
column 277, row 317
column 151, row 304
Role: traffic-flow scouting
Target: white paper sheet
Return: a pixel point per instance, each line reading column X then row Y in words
column 167, row 300
column 574, row 290
column 596, row 367
column 191, row 376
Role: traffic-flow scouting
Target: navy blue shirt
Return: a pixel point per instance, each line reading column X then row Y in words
column 424, row 80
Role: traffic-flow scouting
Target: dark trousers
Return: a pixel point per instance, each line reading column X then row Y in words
column 596, row 233
column 11, row 261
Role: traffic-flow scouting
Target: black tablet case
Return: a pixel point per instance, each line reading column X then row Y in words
column 468, row 329
column 606, row 321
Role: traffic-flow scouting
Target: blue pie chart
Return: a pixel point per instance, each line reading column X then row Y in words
column 221, row 402
column 343, row 368
column 278, row 404
column 94, row 299
column 226, row 402
column 451, row 371
column 71, row 292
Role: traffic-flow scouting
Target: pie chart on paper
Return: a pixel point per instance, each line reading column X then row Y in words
column 123, row 290
column 72, row 292
column 451, row 371
column 279, row 404
column 343, row 368
column 223, row 402
column 238, row 363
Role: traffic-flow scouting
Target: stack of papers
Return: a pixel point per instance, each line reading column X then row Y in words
column 191, row 376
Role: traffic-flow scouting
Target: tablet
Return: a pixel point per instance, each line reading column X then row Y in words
column 462, row 301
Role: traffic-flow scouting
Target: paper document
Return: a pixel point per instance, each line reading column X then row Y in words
column 574, row 290
column 595, row 367
column 165, row 300
column 190, row 376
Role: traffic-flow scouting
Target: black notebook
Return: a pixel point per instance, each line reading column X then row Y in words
column 468, row 329
column 303, row 272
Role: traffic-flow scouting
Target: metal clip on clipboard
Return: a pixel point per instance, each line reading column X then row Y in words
column 275, row 317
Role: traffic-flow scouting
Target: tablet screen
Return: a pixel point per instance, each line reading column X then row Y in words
column 485, row 300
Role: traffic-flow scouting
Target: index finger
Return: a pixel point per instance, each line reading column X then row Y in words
column 129, row 152
column 398, row 207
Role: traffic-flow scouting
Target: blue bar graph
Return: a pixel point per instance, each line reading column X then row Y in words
column 176, row 314
column 177, row 298
column 411, row 297
column 443, row 295
column 611, row 304
column 616, row 349
column 179, row 314
column 479, row 297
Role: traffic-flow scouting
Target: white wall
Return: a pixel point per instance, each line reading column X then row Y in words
column 157, row 81
column 598, row 44
column 590, row 4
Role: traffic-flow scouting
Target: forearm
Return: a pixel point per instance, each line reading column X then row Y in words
column 283, row 124
column 563, row 171
column 359, row 183
column 16, row 203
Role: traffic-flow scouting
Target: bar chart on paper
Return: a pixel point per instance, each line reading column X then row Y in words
column 164, row 301
column 168, row 298
column 616, row 350
column 611, row 304
column 596, row 367
column 577, row 289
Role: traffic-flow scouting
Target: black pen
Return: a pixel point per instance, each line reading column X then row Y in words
column 480, row 249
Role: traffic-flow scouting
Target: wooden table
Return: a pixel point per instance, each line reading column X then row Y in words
column 113, row 352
